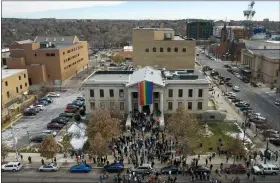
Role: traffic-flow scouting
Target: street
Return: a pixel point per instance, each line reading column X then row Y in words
column 36, row 124
column 260, row 100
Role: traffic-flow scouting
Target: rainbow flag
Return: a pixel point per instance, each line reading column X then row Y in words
column 145, row 91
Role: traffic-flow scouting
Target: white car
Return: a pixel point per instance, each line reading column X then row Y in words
column 49, row 132
column 41, row 107
column 12, row 166
column 266, row 169
column 53, row 94
column 277, row 102
column 236, row 88
column 51, row 167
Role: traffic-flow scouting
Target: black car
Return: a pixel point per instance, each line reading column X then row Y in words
column 173, row 169
column 59, row 120
column 201, row 169
column 81, row 98
column 236, row 100
column 29, row 112
column 38, row 139
column 66, row 115
column 228, row 84
column 78, row 103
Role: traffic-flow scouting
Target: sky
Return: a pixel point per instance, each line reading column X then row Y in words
column 133, row 10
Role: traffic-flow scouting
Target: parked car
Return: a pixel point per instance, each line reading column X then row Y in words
column 221, row 82
column 277, row 102
column 173, row 169
column 236, row 169
column 242, row 104
column 230, row 94
column 49, row 100
column 71, row 109
column 114, row 168
column 236, row 88
column 81, row 168
column 51, row 167
column 143, row 169
column 29, row 112
column 53, row 94
column 60, row 120
column 81, row 98
column 232, row 97
column 66, row 115
column 201, row 169
column 49, row 132
column 236, row 100
column 42, row 102
column 11, row 166
column 254, row 84
column 38, row 138
column 211, row 89
column 229, row 84
column 245, row 108
column 78, row 103
column 54, row 126
column 258, row 119
column 268, row 169
column 40, row 107
column 227, row 79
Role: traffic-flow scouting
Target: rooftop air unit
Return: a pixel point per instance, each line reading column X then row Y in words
column 167, row 35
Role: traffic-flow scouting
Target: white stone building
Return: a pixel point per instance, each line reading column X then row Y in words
column 109, row 89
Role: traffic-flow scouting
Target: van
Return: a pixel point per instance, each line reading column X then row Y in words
column 11, row 166
column 268, row 169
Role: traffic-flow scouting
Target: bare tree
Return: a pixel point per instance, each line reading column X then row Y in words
column 236, row 147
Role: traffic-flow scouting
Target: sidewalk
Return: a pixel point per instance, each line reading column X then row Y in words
column 233, row 115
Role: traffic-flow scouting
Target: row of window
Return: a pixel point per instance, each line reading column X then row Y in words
column 17, row 90
column 70, row 58
column 181, row 93
column 73, row 49
column 102, row 105
column 74, row 63
column 161, row 49
column 50, row 54
column 19, row 78
column 189, row 105
column 101, row 93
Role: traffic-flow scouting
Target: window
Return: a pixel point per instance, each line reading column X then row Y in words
column 147, row 50
column 135, row 95
column 189, row 105
column 190, row 93
column 53, row 54
column 121, row 93
column 19, row 77
column 154, row 49
column 63, row 53
column 161, row 49
column 212, row 117
column 68, row 51
column 8, row 94
column 170, row 93
column 170, row 106
column 24, row 75
column 168, row 49
column 35, row 55
column 92, row 105
column 121, row 106
column 101, row 93
column 176, row 49
column 184, row 50
column 91, row 93
column 25, row 84
column 180, row 93
column 156, row 94
column 111, row 91
column 17, row 89
column 20, row 86
column 102, row 105
column 200, row 92
column 199, row 105
column 6, row 83
column 47, row 54
column 180, row 104
column 112, row 105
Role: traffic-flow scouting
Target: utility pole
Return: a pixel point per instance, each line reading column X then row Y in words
column 244, row 129
column 15, row 141
column 266, row 150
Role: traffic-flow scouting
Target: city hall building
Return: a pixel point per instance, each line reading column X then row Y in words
column 147, row 89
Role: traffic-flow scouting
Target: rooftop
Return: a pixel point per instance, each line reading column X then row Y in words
column 158, row 29
column 56, row 39
column 272, row 54
column 9, row 72
column 122, row 76
column 178, row 38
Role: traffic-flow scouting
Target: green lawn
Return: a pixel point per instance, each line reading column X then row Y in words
column 219, row 130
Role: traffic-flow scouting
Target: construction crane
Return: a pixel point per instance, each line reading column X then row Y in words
column 249, row 14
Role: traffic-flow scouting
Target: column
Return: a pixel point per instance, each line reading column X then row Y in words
column 139, row 107
column 161, row 103
column 152, row 107
column 129, row 102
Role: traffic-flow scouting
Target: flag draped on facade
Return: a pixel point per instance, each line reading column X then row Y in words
column 145, row 91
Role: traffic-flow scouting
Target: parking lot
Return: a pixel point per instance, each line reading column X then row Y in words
column 36, row 124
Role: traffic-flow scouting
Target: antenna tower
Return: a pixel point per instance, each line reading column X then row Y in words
column 249, row 14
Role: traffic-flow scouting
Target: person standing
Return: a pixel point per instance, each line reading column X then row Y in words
column 248, row 175
column 29, row 159
column 206, row 161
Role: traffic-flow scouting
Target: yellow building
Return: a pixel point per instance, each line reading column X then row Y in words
column 161, row 48
column 14, row 85
column 48, row 59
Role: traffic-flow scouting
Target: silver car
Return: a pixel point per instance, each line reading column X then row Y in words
column 51, row 167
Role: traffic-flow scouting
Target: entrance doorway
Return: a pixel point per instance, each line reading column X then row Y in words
column 146, row 109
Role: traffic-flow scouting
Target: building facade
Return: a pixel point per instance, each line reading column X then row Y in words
column 202, row 29
column 119, row 89
column 233, row 32
column 161, row 48
column 5, row 54
column 264, row 64
column 14, row 85
column 49, row 59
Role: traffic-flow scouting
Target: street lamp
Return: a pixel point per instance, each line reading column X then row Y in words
column 15, row 141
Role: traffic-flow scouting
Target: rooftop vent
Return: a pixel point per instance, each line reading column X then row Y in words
column 62, row 39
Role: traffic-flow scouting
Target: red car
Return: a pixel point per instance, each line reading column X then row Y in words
column 71, row 109
column 236, row 169
column 54, row 126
